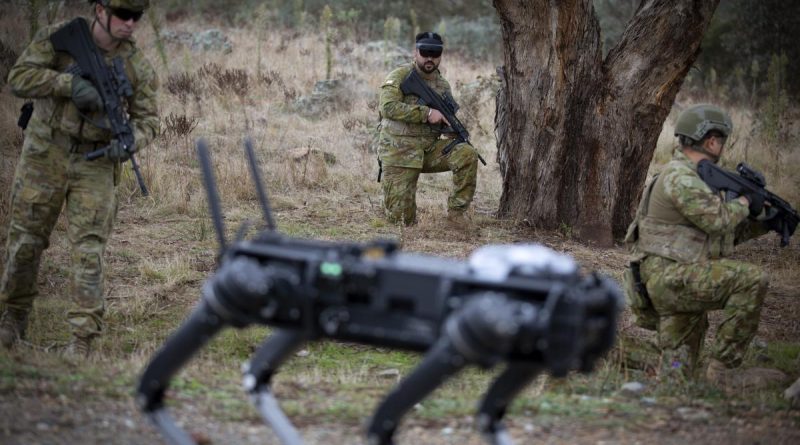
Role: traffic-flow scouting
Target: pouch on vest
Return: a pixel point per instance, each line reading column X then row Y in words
column 644, row 314
column 632, row 234
column 25, row 114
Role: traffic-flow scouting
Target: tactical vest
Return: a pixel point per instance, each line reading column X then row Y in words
column 660, row 229
column 399, row 128
column 60, row 114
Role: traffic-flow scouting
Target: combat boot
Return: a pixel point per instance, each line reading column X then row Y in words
column 734, row 380
column 458, row 219
column 12, row 327
column 79, row 348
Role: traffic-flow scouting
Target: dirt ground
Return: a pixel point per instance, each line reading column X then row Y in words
column 27, row 419
column 34, row 411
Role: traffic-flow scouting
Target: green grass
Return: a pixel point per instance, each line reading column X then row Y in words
column 339, row 382
column 781, row 355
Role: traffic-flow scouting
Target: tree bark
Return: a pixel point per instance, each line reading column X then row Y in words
column 576, row 132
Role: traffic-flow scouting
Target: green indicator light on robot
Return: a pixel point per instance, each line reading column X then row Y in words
column 332, row 269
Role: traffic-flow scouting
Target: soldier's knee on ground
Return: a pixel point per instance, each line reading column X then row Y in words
column 399, row 190
column 734, row 380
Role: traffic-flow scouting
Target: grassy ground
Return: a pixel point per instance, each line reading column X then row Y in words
column 163, row 247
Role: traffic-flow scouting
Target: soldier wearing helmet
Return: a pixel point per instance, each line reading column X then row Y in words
column 118, row 17
column 68, row 122
column 680, row 237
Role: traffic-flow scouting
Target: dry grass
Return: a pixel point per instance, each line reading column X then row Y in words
column 320, row 172
column 164, row 245
column 224, row 98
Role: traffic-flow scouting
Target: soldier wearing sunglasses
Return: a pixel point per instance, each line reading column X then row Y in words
column 413, row 137
column 66, row 123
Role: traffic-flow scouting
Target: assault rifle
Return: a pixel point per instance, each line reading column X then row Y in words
column 781, row 217
column 111, row 82
column 413, row 84
column 524, row 306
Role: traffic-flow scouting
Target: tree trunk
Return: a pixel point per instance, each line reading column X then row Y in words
column 576, row 133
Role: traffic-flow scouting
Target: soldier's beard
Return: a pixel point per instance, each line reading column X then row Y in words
column 428, row 67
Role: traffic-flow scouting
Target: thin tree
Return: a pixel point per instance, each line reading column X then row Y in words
column 576, row 131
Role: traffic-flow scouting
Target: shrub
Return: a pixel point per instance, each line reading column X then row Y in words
column 183, row 85
column 179, row 125
column 235, row 80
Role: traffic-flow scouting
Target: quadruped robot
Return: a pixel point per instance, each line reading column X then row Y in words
column 525, row 307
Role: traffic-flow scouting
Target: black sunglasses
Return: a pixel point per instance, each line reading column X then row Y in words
column 430, row 53
column 718, row 135
column 126, row 14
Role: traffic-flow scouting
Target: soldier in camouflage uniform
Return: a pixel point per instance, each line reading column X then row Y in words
column 411, row 142
column 680, row 236
column 52, row 172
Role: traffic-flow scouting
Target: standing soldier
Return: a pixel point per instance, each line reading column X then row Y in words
column 68, row 122
column 411, row 140
column 680, row 236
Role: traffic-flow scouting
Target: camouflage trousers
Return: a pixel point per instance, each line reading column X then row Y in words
column 400, row 183
column 49, row 177
column 682, row 294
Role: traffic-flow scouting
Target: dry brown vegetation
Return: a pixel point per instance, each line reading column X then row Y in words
column 320, row 174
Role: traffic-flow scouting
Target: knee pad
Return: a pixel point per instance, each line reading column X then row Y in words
column 87, row 275
column 464, row 154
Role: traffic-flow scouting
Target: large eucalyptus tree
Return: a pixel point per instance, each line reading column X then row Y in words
column 577, row 130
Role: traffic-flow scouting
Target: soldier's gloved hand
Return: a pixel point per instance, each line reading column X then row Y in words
column 117, row 153
column 756, row 203
column 85, row 95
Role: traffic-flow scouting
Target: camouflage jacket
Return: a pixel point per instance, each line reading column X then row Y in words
column 39, row 74
column 405, row 133
column 682, row 219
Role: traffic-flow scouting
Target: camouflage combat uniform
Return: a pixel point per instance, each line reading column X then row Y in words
column 408, row 146
column 680, row 234
column 52, row 173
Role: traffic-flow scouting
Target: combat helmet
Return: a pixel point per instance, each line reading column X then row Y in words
column 694, row 122
column 132, row 5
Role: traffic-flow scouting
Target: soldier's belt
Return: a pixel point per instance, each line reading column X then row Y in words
column 398, row 128
column 74, row 145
